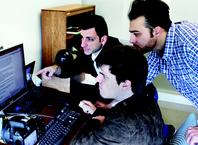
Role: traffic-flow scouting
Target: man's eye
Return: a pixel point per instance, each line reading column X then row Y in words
column 90, row 39
column 137, row 33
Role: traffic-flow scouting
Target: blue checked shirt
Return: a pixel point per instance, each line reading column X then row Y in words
column 179, row 61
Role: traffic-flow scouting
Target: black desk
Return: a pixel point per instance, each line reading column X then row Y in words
column 45, row 102
column 38, row 99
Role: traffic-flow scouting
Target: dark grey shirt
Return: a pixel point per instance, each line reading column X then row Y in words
column 134, row 121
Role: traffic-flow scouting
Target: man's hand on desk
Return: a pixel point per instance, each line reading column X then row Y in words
column 48, row 72
column 62, row 84
column 100, row 118
column 102, row 105
column 57, row 83
column 192, row 135
column 49, row 80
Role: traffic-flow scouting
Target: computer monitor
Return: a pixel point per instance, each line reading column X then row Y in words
column 13, row 81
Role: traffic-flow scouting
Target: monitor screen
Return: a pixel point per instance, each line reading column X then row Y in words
column 12, row 79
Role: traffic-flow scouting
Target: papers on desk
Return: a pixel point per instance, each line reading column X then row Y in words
column 88, row 79
column 61, row 84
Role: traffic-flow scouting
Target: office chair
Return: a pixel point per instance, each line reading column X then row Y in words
column 168, row 129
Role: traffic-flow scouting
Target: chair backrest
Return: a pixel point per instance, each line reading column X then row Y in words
column 168, row 129
column 152, row 91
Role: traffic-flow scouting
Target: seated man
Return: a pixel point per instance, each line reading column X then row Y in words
column 94, row 39
column 132, row 118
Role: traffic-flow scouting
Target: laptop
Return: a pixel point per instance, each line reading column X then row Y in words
column 15, row 82
column 16, row 97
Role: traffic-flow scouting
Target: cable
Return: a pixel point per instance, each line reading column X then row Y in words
column 26, row 114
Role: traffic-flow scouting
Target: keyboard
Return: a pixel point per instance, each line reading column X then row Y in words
column 60, row 127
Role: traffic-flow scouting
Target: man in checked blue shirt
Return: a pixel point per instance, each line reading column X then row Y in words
column 172, row 47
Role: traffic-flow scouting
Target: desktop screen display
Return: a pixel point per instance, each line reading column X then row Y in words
column 12, row 79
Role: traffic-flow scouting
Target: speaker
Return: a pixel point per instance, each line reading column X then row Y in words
column 17, row 128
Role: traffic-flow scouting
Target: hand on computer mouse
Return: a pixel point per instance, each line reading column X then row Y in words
column 87, row 107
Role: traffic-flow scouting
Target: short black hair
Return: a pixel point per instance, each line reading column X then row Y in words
column 97, row 22
column 126, row 63
column 156, row 13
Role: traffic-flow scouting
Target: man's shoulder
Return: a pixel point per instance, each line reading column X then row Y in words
column 112, row 41
column 182, row 26
column 113, row 38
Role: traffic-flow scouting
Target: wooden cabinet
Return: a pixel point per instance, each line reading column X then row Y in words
column 54, row 24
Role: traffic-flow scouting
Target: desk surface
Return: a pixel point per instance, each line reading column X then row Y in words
column 48, row 103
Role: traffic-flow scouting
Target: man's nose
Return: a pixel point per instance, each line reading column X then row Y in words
column 83, row 43
column 132, row 39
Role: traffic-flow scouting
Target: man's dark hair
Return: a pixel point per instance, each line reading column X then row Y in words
column 156, row 13
column 126, row 63
column 97, row 22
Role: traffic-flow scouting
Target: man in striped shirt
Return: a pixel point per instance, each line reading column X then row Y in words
column 172, row 47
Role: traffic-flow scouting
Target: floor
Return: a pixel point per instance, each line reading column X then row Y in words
column 173, row 117
column 175, row 114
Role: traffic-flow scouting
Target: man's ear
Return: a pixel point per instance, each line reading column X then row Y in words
column 126, row 84
column 157, row 31
column 104, row 39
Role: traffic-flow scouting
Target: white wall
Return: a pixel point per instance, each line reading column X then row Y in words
column 115, row 13
column 20, row 23
column 184, row 10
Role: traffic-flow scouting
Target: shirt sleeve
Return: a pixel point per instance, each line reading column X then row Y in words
column 153, row 67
